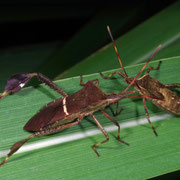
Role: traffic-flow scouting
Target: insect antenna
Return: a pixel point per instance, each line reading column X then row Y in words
column 125, row 74
column 150, row 58
column 132, row 82
column 115, row 47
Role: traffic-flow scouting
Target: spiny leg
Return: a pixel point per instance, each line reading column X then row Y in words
column 117, row 124
column 46, row 131
column 154, row 68
column 51, row 84
column 103, row 131
column 147, row 116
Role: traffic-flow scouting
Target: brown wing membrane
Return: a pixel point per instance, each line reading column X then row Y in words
column 44, row 116
column 75, row 103
column 79, row 101
column 85, row 97
column 147, row 84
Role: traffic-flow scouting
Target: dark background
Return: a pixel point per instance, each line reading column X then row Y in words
column 29, row 22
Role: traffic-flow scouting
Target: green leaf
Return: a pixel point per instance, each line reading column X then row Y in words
column 136, row 45
column 147, row 156
column 172, row 50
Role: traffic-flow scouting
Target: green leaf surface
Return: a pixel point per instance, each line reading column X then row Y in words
column 138, row 44
column 147, row 156
column 172, row 50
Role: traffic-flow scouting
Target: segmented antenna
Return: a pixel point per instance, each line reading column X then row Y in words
column 132, row 82
column 115, row 47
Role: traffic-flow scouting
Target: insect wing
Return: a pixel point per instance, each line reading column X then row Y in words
column 44, row 116
column 59, row 109
column 147, row 84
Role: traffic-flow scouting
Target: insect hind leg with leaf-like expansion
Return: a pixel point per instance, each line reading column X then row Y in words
column 150, row 88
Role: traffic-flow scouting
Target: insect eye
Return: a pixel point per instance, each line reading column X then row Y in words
column 17, row 82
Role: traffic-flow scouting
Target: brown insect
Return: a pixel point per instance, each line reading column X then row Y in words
column 160, row 94
column 66, row 111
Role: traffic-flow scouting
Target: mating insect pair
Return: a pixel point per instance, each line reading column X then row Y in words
column 71, row 109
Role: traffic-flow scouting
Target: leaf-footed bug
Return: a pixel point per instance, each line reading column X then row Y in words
column 66, row 111
column 160, row 94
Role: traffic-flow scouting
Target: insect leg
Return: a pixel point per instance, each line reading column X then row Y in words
column 51, row 84
column 81, row 81
column 16, row 82
column 117, row 124
column 112, row 74
column 96, row 81
column 154, row 68
column 15, row 147
column 117, row 110
column 46, row 131
column 144, row 96
column 174, row 85
column 103, row 131
column 147, row 116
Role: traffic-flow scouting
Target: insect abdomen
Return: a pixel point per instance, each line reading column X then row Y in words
column 171, row 103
